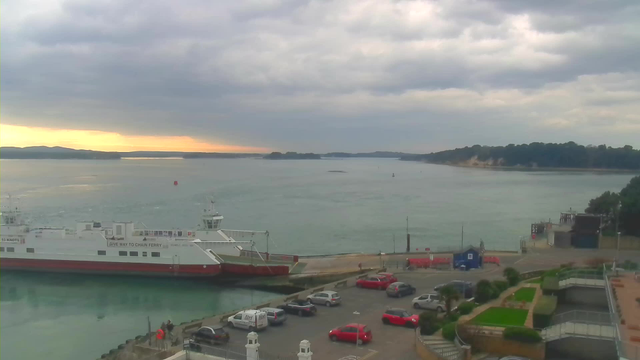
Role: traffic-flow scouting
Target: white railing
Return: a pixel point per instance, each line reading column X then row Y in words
column 626, row 350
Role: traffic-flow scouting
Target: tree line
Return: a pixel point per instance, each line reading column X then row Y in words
column 537, row 154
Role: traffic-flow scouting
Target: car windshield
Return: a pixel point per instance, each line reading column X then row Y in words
column 219, row 331
column 335, row 296
column 405, row 314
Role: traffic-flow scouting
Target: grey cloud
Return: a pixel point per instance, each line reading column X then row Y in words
column 321, row 75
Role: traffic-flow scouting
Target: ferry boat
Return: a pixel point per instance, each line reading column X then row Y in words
column 122, row 248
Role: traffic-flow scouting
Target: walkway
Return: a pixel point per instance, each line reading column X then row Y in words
column 574, row 329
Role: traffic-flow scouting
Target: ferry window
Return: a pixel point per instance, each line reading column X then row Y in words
column 10, row 249
column 102, row 252
column 144, row 253
column 133, row 253
column 1, row 249
column 155, row 254
column 30, row 250
column 122, row 253
column 180, row 233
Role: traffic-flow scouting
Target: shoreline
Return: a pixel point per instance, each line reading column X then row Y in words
column 524, row 168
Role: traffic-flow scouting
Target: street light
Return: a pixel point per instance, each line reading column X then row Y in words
column 618, row 232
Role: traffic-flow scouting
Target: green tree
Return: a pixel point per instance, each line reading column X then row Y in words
column 630, row 210
column 606, row 205
column 512, row 275
column 449, row 294
column 485, row 291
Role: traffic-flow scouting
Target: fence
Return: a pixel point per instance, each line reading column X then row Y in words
column 232, row 351
column 583, row 317
column 625, row 349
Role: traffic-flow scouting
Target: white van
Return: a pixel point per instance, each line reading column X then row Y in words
column 253, row 320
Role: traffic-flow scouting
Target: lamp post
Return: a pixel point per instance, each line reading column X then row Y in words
column 618, row 232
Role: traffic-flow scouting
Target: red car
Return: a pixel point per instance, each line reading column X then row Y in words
column 374, row 282
column 350, row 333
column 400, row 317
column 389, row 276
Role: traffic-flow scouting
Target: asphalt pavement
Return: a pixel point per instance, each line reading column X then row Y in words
column 367, row 306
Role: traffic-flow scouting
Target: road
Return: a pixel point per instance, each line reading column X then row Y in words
column 367, row 306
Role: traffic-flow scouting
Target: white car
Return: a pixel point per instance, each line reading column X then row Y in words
column 431, row 301
column 327, row 298
column 253, row 320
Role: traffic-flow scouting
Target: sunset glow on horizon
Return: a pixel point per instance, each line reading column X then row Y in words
column 23, row 136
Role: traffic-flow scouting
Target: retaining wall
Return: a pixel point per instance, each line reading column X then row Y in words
column 626, row 242
column 500, row 346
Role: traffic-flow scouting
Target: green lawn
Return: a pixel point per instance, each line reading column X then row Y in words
column 502, row 317
column 525, row 294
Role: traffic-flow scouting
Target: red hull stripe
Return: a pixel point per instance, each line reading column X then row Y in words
column 237, row 269
column 108, row 267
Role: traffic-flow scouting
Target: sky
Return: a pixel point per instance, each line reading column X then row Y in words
column 318, row 76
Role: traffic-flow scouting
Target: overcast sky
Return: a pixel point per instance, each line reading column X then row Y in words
column 322, row 76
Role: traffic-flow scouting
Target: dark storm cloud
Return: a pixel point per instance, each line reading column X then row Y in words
column 325, row 75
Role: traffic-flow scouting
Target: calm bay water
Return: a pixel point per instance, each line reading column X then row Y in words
column 306, row 208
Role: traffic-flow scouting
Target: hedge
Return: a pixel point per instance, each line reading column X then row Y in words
column 500, row 285
column 521, row 334
column 466, row 308
column 550, row 284
column 543, row 311
column 429, row 323
column 449, row 331
column 485, row 291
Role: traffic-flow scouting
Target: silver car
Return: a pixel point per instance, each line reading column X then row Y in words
column 275, row 316
column 327, row 298
column 431, row 301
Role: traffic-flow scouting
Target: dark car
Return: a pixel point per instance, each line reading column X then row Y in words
column 463, row 287
column 210, row 335
column 299, row 307
column 398, row 289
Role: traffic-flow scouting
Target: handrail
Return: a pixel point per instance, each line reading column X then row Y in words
column 583, row 317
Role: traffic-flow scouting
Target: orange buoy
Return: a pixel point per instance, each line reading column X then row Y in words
column 175, row 182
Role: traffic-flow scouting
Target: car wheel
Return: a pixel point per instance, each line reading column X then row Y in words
column 440, row 309
column 386, row 321
column 358, row 285
column 252, row 328
column 231, row 324
column 416, row 306
column 300, row 313
column 328, row 304
column 333, row 338
column 359, row 342
column 409, row 324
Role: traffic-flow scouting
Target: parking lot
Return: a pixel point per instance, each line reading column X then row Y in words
column 366, row 306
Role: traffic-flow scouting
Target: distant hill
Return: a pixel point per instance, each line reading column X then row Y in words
column 537, row 155
column 45, row 152
column 220, row 155
column 375, row 154
column 292, row 156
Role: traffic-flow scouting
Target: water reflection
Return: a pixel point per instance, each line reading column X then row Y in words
column 114, row 308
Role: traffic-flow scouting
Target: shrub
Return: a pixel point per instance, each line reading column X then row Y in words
column 485, row 291
column 466, row 308
column 550, row 284
column 500, row 285
column 451, row 317
column 522, row 334
column 429, row 323
column 629, row 265
column 543, row 311
column 449, row 331
column 512, row 275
